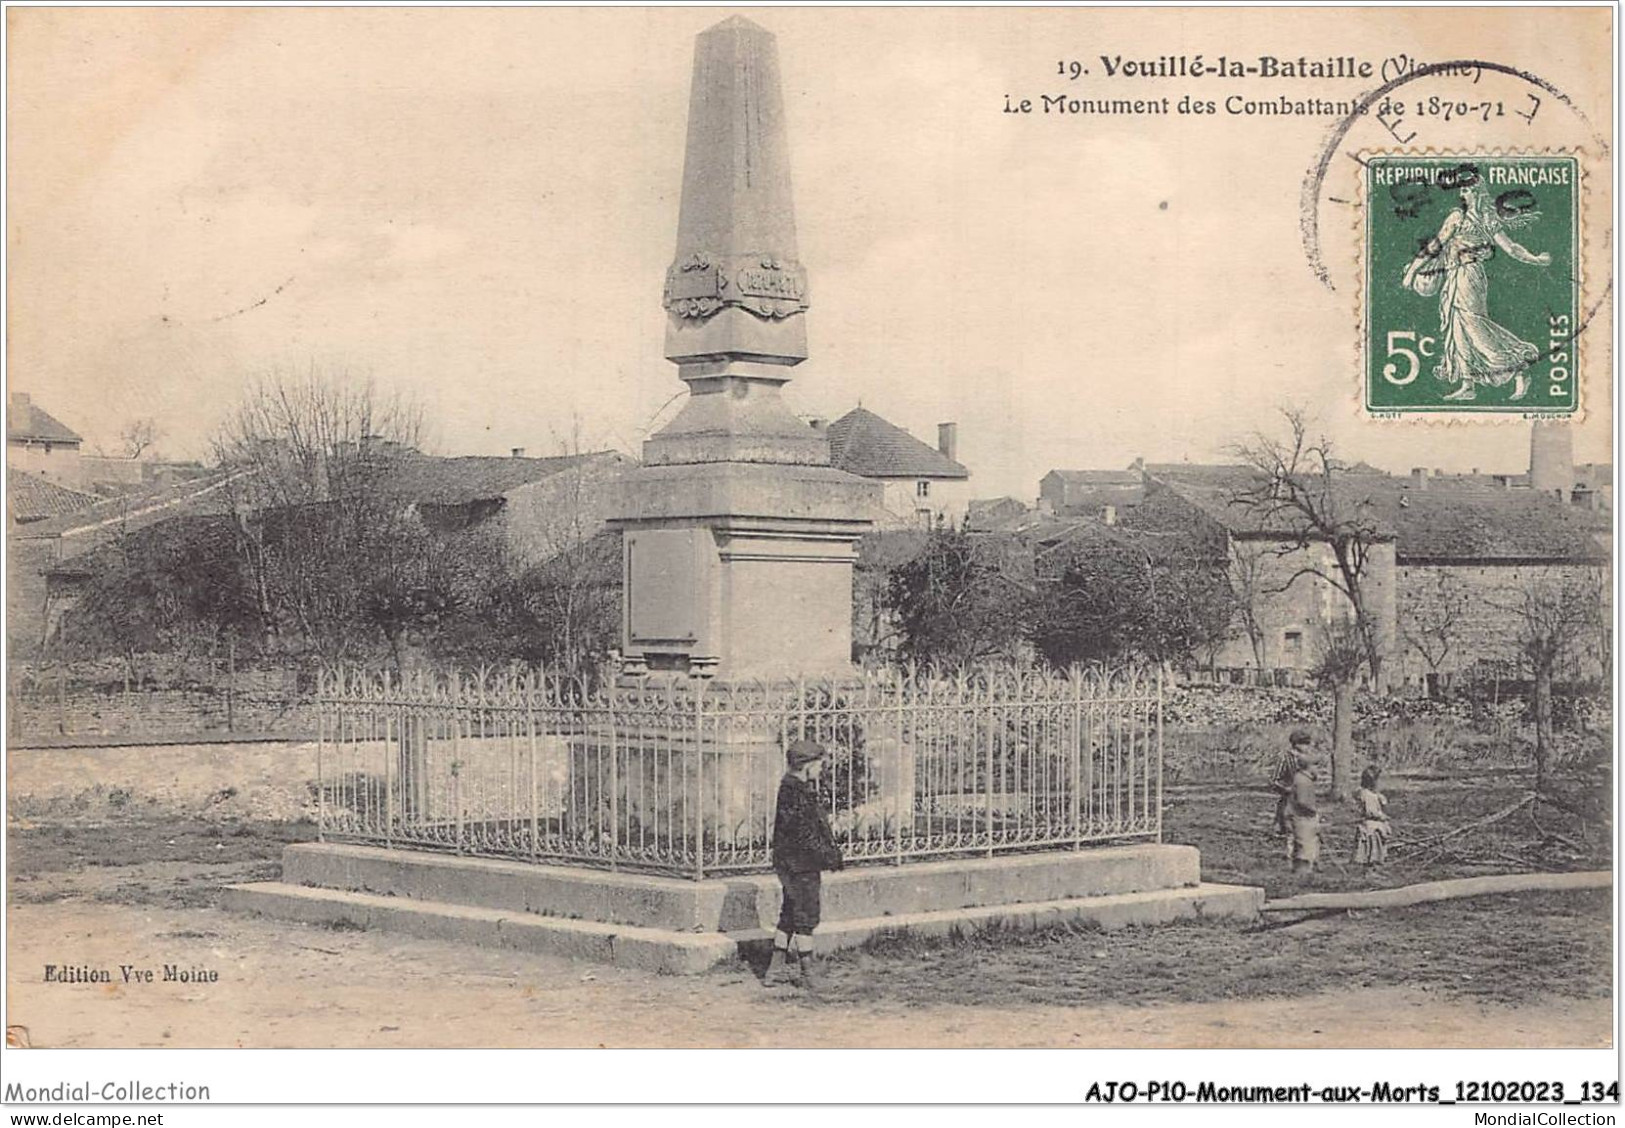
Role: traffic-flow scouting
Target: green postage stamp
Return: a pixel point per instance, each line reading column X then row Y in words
column 1472, row 287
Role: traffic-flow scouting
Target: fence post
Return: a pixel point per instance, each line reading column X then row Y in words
column 614, row 794
column 231, row 683
column 457, row 762
column 984, row 722
column 321, row 741
column 389, row 784
column 699, row 779
column 535, row 824
column 905, row 800
column 1076, row 676
column 1159, row 755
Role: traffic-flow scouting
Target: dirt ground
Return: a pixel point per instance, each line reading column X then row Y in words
column 283, row 985
column 105, row 888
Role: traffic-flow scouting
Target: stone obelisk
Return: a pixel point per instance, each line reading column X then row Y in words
column 739, row 537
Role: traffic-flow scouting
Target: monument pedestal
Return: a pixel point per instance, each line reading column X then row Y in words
column 740, row 570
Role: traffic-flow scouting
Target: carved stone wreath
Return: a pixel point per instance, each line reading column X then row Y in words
column 701, row 284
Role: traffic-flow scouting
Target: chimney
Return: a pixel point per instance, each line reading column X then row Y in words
column 1419, row 478
column 516, row 452
column 948, row 440
column 1551, row 458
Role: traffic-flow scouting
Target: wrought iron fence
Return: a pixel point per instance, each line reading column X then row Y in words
column 681, row 777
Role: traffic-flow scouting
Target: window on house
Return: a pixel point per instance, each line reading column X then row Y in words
column 922, row 489
column 1294, row 648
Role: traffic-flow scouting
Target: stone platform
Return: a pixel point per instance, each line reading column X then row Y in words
column 676, row 926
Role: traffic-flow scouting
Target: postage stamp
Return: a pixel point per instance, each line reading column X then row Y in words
column 1472, row 283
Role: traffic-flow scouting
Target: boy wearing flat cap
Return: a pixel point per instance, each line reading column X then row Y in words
column 803, row 847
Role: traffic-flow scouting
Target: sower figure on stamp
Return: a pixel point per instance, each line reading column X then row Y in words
column 803, row 847
column 1473, row 348
column 1281, row 784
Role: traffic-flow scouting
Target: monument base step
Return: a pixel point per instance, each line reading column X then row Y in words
column 1108, row 912
column 671, row 952
column 650, row 949
column 744, row 901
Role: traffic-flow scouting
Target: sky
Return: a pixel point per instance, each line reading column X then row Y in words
column 477, row 207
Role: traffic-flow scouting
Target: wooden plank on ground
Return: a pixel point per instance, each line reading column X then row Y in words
column 1442, row 891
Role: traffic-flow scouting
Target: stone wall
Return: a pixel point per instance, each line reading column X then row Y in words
column 274, row 780
column 26, row 561
column 1464, row 619
column 165, row 697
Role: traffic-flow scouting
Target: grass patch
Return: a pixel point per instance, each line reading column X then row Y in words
column 1505, row 949
column 1233, row 827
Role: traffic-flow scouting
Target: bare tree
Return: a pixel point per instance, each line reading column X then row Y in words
column 1298, row 495
column 334, row 553
column 138, row 436
column 1432, row 621
column 1559, row 616
column 1245, row 572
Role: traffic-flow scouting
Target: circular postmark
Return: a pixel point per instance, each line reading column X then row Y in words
column 1447, row 186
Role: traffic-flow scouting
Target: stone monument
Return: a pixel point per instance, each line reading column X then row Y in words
column 739, row 543
column 739, row 538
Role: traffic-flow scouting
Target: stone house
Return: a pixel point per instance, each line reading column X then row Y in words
column 1106, row 494
column 1468, row 560
column 39, row 443
column 989, row 514
column 1289, row 607
column 45, row 559
column 924, row 485
column 543, row 508
column 1445, row 583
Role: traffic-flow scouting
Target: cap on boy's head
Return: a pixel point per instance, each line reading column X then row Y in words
column 1300, row 738
column 1370, row 777
column 804, row 752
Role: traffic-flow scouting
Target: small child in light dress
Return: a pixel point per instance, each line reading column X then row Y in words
column 1371, row 835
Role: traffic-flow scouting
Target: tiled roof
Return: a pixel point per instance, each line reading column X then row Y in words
column 30, row 497
column 24, row 421
column 420, row 478
column 460, row 481
column 1236, row 498
column 188, row 497
column 1462, row 524
column 862, row 443
column 1098, row 477
column 988, row 513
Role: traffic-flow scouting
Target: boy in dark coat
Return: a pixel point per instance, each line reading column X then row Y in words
column 803, row 847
